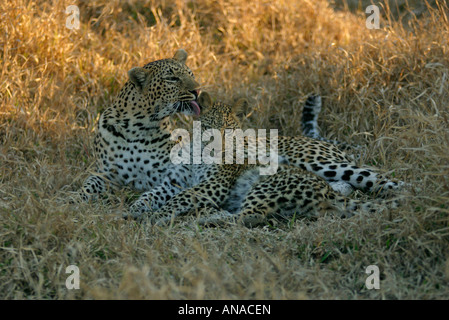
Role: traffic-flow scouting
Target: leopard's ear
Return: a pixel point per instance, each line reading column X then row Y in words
column 241, row 108
column 181, row 56
column 139, row 76
column 205, row 101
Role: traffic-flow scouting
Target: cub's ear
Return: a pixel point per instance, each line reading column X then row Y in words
column 181, row 56
column 139, row 76
column 205, row 101
column 241, row 108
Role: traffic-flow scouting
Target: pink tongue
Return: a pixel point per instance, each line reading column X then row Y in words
column 196, row 107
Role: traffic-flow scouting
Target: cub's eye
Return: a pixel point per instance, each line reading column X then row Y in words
column 171, row 79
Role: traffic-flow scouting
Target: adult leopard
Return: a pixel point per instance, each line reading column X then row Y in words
column 132, row 143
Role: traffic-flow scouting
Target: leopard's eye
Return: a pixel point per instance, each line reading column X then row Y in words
column 172, row 79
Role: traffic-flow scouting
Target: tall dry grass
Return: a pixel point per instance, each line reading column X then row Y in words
column 386, row 90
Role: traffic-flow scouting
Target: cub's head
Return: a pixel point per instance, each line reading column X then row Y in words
column 219, row 115
column 163, row 87
column 227, row 120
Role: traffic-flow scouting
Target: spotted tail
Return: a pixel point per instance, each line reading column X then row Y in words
column 309, row 123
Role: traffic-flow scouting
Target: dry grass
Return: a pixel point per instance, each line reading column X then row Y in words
column 384, row 89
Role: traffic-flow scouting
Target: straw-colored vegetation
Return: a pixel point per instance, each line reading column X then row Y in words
column 385, row 90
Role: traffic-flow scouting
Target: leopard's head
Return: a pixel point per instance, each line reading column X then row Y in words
column 227, row 120
column 162, row 88
column 221, row 116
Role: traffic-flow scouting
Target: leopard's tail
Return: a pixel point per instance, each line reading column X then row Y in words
column 310, row 113
column 309, row 123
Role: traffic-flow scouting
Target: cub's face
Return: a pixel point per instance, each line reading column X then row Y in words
column 219, row 115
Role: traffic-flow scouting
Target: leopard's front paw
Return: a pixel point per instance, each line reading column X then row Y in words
column 138, row 210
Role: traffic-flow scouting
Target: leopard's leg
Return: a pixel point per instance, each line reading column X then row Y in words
column 210, row 193
column 210, row 216
column 216, row 217
column 290, row 191
column 358, row 177
column 332, row 164
column 342, row 187
column 253, row 217
column 176, row 180
column 305, row 195
column 345, row 207
column 152, row 200
column 93, row 186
